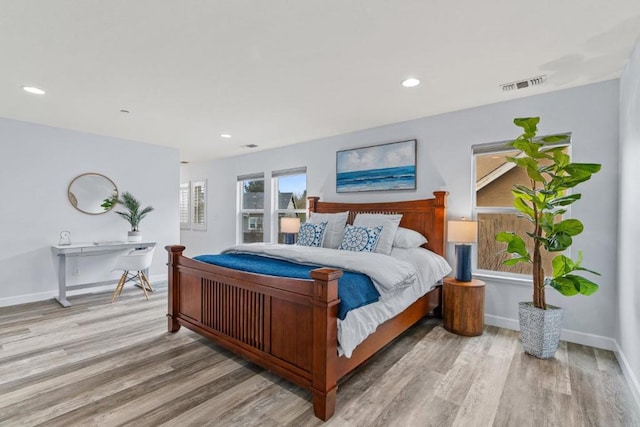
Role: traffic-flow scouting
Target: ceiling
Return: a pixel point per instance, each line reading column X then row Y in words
column 279, row 72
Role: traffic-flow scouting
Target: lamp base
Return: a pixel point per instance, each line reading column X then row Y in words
column 463, row 263
column 289, row 238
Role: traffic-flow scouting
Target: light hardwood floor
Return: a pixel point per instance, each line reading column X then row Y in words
column 102, row 364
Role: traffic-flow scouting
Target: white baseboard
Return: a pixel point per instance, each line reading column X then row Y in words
column 43, row 296
column 583, row 338
column 631, row 378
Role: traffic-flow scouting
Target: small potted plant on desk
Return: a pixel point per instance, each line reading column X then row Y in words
column 133, row 214
column 543, row 203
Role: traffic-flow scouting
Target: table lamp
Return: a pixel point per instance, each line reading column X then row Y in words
column 463, row 232
column 289, row 226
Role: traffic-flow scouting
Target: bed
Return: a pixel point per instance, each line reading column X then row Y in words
column 289, row 326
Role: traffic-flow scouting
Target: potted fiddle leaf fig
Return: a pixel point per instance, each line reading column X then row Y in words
column 133, row 214
column 543, row 203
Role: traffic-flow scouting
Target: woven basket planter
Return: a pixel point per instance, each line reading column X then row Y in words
column 540, row 329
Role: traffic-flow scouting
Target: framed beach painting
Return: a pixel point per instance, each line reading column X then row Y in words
column 377, row 168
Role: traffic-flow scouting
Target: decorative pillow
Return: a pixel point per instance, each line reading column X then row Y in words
column 335, row 227
column 360, row 239
column 311, row 234
column 407, row 239
column 389, row 223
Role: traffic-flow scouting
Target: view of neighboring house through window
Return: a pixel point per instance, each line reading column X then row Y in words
column 290, row 186
column 251, row 201
column 185, row 206
column 199, row 217
column 494, row 210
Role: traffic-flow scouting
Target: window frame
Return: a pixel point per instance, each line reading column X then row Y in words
column 499, row 148
column 185, row 188
column 198, row 226
column 240, row 211
column 275, row 211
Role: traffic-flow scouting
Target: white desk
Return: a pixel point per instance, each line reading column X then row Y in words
column 87, row 249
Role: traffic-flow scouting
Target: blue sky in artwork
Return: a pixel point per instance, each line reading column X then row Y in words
column 377, row 157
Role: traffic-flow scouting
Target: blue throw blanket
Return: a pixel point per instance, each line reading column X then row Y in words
column 354, row 289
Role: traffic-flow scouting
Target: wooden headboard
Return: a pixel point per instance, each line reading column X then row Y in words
column 427, row 217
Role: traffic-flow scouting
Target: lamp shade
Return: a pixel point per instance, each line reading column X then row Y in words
column 462, row 231
column 289, row 225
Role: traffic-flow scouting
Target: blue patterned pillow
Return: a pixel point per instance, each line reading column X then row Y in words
column 311, row 234
column 360, row 239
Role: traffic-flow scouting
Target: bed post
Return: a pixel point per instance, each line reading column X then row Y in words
column 438, row 241
column 324, row 381
column 312, row 201
column 173, row 278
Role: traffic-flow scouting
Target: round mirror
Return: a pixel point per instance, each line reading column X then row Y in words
column 92, row 193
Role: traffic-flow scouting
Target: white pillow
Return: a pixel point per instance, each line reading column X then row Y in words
column 335, row 227
column 389, row 225
column 407, row 239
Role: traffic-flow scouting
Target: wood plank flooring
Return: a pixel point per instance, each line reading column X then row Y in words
column 102, row 364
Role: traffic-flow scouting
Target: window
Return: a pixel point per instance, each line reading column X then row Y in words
column 199, row 217
column 493, row 205
column 251, row 212
column 193, row 205
column 185, row 207
column 290, row 186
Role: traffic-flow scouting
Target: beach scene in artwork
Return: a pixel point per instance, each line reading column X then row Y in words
column 381, row 167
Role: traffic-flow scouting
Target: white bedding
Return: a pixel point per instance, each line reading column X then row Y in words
column 401, row 278
column 388, row 274
column 362, row 322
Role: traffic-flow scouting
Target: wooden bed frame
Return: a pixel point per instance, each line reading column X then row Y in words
column 289, row 326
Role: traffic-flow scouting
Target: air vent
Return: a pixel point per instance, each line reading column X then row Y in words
column 250, row 146
column 533, row 81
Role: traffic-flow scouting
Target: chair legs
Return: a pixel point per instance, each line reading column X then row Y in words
column 142, row 279
column 119, row 286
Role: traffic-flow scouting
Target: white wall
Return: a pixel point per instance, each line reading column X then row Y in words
column 38, row 163
column 629, row 231
column 444, row 163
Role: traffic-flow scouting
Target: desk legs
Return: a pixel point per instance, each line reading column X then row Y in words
column 62, row 281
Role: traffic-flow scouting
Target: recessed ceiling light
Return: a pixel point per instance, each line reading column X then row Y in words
column 34, row 90
column 411, row 82
column 225, row 135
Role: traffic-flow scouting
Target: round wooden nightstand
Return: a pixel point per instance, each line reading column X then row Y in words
column 463, row 306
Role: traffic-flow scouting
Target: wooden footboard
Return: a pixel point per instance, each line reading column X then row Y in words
column 288, row 326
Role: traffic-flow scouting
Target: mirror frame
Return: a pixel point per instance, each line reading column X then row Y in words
column 71, row 196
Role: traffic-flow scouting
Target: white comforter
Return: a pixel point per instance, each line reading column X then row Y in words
column 387, row 274
column 400, row 278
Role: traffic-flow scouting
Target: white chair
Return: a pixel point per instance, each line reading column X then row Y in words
column 134, row 264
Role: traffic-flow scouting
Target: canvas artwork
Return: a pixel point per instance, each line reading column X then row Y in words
column 376, row 168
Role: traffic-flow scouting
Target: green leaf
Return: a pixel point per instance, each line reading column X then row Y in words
column 562, row 265
column 528, row 124
column 561, row 159
column 555, row 138
column 565, row 200
column 523, row 207
column 515, row 244
column 521, row 189
column 515, row 260
column 558, row 242
column 580, row 170
column 583, row 285
column 565, row 286
column 572, row 227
